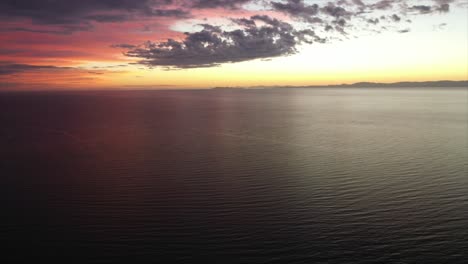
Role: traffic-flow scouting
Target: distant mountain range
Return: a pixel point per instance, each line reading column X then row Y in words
column 432, row 84
column 409, row 84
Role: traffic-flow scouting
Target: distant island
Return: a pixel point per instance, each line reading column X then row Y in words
column 431, row 84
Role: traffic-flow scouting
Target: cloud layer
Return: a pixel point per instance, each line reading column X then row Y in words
column 76, row 12
column 13, row 68
column 319, row 23
column 252, row 29
column 260, row 37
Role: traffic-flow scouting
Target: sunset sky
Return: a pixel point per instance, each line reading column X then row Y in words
column 127, row 44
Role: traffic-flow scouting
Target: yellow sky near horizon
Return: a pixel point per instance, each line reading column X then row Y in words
column 424, row 54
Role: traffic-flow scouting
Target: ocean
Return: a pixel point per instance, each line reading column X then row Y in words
column 332, row 175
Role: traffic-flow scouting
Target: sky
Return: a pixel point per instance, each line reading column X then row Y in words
column 171, row 44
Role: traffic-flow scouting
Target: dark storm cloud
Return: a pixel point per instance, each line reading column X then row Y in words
column 439, row 6
column 262, row 37
column 213, row 46
column 298, row 9
column 373, row 21
column 257, row 37
column 313, row 13
column 335, row 11
column 395, row 18
column 228, row 4
column 423, row 9
column 244, row 22
column 443, row 5
column 84, row 12
column 169, row 13
column 62, row 12
column 443, row 8
column 348, row 9
column 358, row 3
column 383, row 4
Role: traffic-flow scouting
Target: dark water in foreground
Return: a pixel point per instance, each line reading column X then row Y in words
column 259, row 176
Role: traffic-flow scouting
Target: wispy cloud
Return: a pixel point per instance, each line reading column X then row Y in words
column 12, row 68
column 83, row 12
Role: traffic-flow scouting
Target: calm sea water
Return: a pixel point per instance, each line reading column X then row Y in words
column 254, row 176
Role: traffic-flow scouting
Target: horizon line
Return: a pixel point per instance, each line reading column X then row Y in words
column 363, row 84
